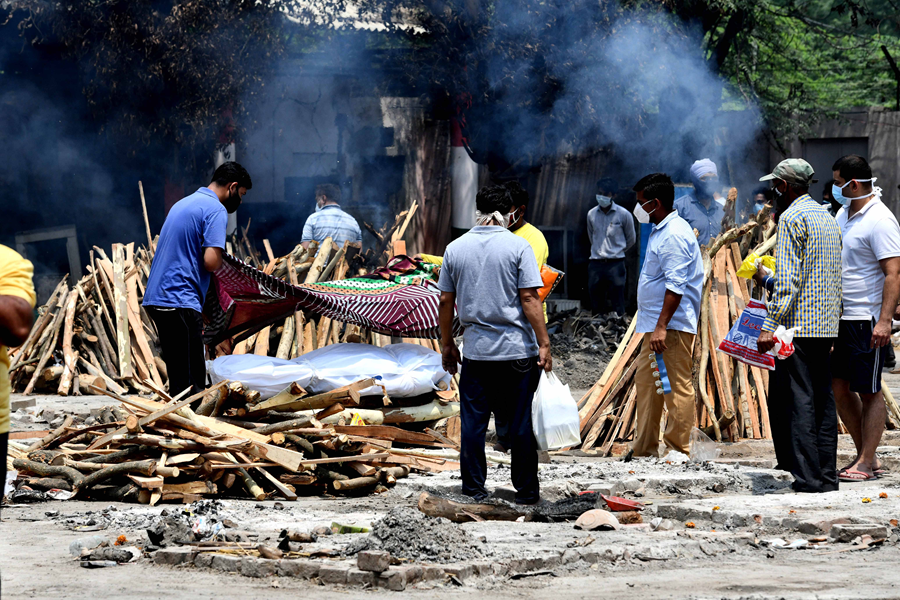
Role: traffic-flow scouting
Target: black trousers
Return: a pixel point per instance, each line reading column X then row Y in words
column 803, row 416
column 4, row 448
column 181, row 343
column 606, row 285
column 505, row 388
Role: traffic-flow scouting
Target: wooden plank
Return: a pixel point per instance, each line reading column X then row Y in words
column 148, row 483
column 386, row 432
column 743, row 284
column 137, row 326
column 284, row 490
column 720, row 326
column 262, row 342
column 120, row 306
column 619, row 367
column 65, row 380
column 290, row 400
column 597, row 388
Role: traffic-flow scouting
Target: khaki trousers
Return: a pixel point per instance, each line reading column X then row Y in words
column 680, row 403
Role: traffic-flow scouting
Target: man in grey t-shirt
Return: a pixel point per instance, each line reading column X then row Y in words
column 491, row 276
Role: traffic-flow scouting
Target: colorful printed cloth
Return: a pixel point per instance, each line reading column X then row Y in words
column 400, row 299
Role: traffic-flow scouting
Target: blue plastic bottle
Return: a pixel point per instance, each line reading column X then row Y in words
column 659, row 371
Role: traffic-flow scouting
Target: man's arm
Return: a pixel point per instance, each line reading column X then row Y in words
column 16, row 318
column 212, row 259
column 628, row 226
column 590, row 227
column 531, row 306
column 788, row 271
column 671, row 302
column 450, row 357
column 881, row 334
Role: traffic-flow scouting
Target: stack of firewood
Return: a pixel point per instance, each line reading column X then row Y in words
column 151, row 450
column 731, row 397
column 98, row 333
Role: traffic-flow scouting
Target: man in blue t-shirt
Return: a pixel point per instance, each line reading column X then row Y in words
column 190, row 248
column 491, row 276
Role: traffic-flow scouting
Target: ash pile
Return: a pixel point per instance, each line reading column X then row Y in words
column 583, row 344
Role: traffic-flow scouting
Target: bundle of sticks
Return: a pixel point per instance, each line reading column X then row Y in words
column 159, row 449
column 731, row 397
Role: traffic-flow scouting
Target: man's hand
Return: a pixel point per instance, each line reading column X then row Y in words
column 760, row 278
column 658, row 340
column 544, row 359
column 766, row 341
column 881, row 335
column 897, row 313
column 450, row 358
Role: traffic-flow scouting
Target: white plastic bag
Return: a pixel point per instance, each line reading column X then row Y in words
column 554, row 415
column 784, row 341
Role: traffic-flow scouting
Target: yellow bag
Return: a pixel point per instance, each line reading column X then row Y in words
column 748, row 267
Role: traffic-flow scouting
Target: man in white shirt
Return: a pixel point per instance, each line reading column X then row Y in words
column 870, row 277
column 668, row 310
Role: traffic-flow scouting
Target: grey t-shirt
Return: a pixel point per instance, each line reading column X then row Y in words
column 486, row 268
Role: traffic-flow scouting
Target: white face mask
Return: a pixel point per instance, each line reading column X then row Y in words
column 642, row 215
column 721, row 200
column 604, row 201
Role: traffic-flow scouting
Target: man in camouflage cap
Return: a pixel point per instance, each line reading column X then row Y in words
column 805, row 294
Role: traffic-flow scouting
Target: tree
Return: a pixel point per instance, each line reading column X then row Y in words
column 162, row 75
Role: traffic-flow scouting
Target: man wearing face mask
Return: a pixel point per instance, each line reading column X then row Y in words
column 611, row 230
column 491, row 277
column 871, row 289
column 190, row 248
column 806, row 294
column 668, row 310
column 828, row 200
column 701, row 209
column 329, row 221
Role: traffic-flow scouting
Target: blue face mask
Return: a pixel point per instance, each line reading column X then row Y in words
column 838, row 195
column 604, row 201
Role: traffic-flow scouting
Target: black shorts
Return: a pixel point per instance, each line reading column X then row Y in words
column 854, row 360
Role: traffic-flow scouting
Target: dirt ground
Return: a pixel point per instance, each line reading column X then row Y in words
column 719, row 523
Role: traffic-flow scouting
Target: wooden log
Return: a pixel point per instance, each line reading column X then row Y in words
column 92, row 370
column 262, row 342
column 723, row 423
column 147, row 483
column 47, row 349
column 134, row 319
column 354, row 484
column 309, row 338
column 70, row 474
column 120, row 305
column 53, row 435
column 394, row 434
column 284, row 426
column 252, row 487
column 65, row 380
column 323, row 332
column 39, row 326
column 294, row 398
column 315, row 271
column 458, row 512
column 286, row 491
column 287, row 339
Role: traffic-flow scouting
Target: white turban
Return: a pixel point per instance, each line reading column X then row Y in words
column 702, row 167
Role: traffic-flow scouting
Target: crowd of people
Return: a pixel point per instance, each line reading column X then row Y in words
column 836, row 280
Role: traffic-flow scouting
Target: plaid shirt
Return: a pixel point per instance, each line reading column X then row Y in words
column 807, row 271
column 331, row 222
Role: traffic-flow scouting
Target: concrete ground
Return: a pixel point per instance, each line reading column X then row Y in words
column 716, row 540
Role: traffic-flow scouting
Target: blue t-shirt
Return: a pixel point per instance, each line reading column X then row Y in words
column 177, row 276
column 486, row 268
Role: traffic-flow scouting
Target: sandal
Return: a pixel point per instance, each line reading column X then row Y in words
column 854, row 475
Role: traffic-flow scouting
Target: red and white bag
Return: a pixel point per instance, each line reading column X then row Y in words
column 740, row 342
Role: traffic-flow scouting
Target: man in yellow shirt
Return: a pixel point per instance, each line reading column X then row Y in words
column 17, row 300
column 519, row 226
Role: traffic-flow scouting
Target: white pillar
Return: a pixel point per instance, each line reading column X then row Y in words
column 463, row 183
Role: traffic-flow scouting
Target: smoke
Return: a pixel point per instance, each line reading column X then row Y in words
column 633, row 82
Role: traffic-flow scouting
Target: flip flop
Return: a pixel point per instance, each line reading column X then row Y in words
column 854, row 475
column 880, row 472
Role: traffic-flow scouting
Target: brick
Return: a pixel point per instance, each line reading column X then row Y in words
column 21, row 403
column 820, row 527
column 433, row 573
column 376, row 561
column 173, row 556
column 393, row 579
column 333, row 574
column 460, row 571
column 304, row 569
column 258, row 567
column 227, row 564
column 414, row 573
column 203, row 560
column 847, row 533
column 359, row 578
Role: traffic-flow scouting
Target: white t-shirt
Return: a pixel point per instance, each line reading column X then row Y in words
column 869, row 236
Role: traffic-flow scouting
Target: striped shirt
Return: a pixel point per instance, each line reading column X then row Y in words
column 331, row 222
column 807, row 271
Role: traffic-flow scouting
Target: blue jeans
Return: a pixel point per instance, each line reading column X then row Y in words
column 505, row 388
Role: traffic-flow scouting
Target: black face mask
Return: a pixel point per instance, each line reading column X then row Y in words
column 232, row 202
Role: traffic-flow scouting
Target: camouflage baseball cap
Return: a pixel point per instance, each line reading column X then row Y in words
column 792, row 170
